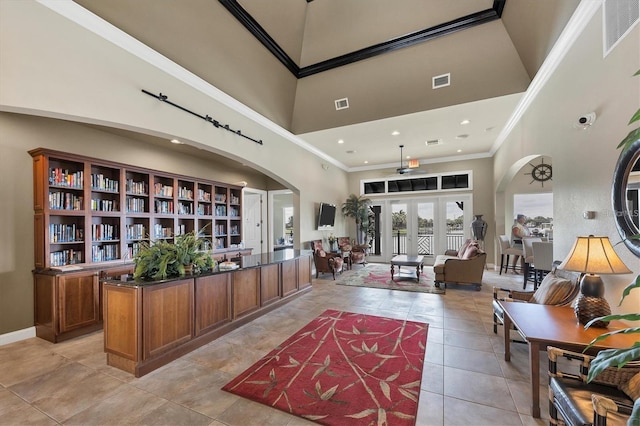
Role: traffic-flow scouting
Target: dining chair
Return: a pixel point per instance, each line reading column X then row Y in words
column 506, row 251
column 542, row 260
column 529, row 266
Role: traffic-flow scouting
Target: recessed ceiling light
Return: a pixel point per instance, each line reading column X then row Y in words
column 408, row 156
column 176, row 141
column 340, row 141
column 462, row 136
column 395, row 133
column 366, row 162
column 463, row 122
column 459, row 150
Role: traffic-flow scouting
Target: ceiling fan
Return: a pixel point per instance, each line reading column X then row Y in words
column 403, row 170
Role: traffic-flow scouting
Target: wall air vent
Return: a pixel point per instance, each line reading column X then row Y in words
column 433, row 142
column 619, row 18
column 439, row 81
column 342, row 104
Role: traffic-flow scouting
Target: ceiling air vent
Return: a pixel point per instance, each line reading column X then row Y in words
column 342, row 104
column 433, row 142
column 439, row 81
column 619, row 17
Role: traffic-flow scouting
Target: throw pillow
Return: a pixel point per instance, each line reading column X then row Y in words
column 470, row 252
column 632, row 387
column 463, row 248
column 554, row 291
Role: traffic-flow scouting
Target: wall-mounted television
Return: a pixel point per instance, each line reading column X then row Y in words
column 326, row 216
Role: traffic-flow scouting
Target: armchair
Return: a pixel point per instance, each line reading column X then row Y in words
column 559, row 287
column 608, row 399
column 324, row 262
column 465, row 266
column 356, row 252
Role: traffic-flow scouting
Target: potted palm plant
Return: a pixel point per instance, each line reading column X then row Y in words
column 357, row 207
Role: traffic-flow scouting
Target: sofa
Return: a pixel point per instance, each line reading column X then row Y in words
column 464, row 266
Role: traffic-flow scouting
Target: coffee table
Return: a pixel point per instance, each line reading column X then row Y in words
column 547, row 325
column 404, row 260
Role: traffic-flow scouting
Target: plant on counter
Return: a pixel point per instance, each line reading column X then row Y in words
column 162, row 259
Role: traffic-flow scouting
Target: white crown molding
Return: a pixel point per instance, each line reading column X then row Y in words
column 88, row 20
column 574, row 28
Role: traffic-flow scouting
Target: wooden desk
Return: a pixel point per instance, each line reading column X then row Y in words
column 546, row 325
column 404, row 260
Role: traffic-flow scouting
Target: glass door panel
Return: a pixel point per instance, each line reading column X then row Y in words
column 426, row 220
column 455, row 217
column 399, row 227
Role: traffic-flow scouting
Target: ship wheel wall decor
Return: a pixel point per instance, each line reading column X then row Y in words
column 540, row 172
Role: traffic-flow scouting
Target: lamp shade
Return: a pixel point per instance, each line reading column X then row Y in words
column 594, row 255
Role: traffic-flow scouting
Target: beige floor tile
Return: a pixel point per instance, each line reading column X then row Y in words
column 71, row 383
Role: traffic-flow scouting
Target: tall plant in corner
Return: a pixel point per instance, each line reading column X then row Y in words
column 357, row 207
column 620, row 357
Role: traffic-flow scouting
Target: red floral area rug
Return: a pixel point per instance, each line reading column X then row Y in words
column 378, row 275
column 342, row 368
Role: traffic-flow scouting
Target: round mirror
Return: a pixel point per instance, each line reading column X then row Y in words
column 626, row 191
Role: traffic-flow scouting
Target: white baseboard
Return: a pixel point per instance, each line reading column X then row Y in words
column 16, row 336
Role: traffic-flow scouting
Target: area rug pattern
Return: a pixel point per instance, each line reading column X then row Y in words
column 378, row 275
column 342, row 368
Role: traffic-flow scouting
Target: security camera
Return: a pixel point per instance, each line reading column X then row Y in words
column 586, row 120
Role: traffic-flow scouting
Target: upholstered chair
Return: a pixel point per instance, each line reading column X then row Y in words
column 506, row 251
column 326, row 262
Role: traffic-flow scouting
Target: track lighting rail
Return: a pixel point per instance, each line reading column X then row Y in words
column 216, row 123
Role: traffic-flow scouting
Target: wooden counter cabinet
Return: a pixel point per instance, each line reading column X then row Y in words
column 149, row 324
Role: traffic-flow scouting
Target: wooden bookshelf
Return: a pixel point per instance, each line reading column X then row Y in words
column 91, row 215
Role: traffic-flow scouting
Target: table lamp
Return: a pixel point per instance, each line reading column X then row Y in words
column 593, row 256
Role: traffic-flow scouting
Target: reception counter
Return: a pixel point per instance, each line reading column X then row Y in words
column 148, row 324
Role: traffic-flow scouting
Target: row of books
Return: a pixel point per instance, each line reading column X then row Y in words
column 233, row 211
column 186, row 193
column 65, row 257
column 103, row 183
column 59, row 200
column 221, row 198
column 103, row 232
column 204, row 195
column 185, row 208
column 104, row 252
column 139, row 188
column 220, row 229
column 160, row 232
column 136, row 205
column 137, row 231
column 221, row 210
column 63, row 177
column 100, row 205
column 163, row 190
column 164, row 206
column 63, row 233
column 133, row 249
column 204, row 209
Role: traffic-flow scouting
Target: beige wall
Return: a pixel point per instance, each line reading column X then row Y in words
column 482, row 190
column 583, row 160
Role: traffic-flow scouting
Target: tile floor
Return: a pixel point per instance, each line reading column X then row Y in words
column 465, row 382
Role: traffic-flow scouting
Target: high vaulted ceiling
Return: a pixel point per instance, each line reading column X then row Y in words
column 490, row 63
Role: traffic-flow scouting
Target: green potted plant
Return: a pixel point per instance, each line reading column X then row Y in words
column 162, row 259
column 620, row 357
column 357, row 207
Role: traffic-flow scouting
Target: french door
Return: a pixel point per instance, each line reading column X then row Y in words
column 425, row 226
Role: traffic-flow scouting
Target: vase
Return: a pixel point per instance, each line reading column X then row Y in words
column 479, row 228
